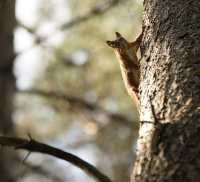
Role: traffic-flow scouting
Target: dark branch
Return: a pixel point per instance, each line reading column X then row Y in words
column 34, row 146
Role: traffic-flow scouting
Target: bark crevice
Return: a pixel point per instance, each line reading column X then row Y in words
column 169, row 150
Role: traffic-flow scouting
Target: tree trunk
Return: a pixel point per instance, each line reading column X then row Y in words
column 7, row 84
column 168, row 144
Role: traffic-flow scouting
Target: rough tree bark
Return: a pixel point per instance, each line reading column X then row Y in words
column 168, row 144
column 7, row 84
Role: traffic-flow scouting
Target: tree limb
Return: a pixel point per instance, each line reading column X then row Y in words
column 97, row 10
column 34, row 146
column 79, row 102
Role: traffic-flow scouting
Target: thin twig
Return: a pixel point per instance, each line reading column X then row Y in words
column 95, row 11
column 148, row 122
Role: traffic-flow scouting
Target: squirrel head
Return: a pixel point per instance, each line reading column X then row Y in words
column 119, row 43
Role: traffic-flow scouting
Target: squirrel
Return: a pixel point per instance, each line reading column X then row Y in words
column 126, row 53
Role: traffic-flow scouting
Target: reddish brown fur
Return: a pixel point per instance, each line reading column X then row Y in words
column 129, row 64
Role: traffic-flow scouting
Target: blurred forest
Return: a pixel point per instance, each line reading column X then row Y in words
column 70, row 90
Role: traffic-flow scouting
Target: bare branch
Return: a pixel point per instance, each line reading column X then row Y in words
column 28, row 29
column 95, row 11
column 34, row 146
column 81, row 103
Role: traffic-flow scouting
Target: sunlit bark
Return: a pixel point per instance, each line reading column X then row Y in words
column 168, row 145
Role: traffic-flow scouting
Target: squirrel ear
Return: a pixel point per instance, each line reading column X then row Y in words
column 118, row 35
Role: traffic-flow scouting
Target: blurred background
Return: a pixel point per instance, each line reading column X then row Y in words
column 70, row 91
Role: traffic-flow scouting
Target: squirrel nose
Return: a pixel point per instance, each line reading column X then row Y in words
column 112, row 44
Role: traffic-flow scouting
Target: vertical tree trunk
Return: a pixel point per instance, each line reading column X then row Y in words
column 7, row 84
column 168, row 144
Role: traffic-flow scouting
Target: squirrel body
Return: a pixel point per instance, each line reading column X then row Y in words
column 126, row 53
